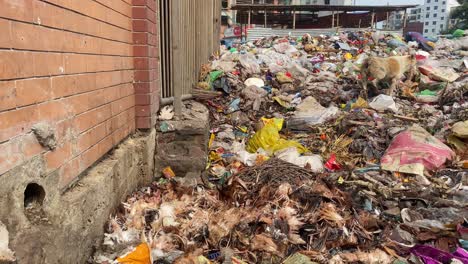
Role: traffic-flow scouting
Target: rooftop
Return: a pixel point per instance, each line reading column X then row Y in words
column 269, row 7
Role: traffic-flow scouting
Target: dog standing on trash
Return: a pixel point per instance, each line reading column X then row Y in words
column 391, row 69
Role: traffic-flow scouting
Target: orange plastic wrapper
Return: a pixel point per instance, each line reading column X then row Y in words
column 141, row 255
column 168, row 173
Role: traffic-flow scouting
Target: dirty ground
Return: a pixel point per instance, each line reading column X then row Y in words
column 302, row 168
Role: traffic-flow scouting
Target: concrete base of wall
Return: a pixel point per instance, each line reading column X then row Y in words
column 47, row 226
column 182, row 144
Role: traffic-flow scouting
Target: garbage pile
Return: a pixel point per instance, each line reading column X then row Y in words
column 306, row 167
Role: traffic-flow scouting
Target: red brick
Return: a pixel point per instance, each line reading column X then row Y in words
column 91, row 137
column 142, row 99
column 142, row 76
column 18, row 121
column 140, row 51
column 46, row 64
column 30, row 146
column 65, row 130
column 143, row 110
column 122, row 104
column 140, row 25
column 97, row 151
column 139, row 2
column 69, row 172
column 10, row 156
column 72, row 84
column 49, row 15
column 7, row 95
column 121, row 119
column 53, row 110
column 30, row 91
column 152, row 5
column 5, row 37
column 140, row 38
column 15, row 64
column 151, row 15
column 28, row 36
column 143, row 122
column 18, row 10
column 55, row 159
column 63, row 86
column 142, row 87
column 141, row 63
column 91, row 118
column 139, row 12
column 75, row 63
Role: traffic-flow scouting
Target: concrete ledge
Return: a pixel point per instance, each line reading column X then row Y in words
column 69, row 226
column 183, row 145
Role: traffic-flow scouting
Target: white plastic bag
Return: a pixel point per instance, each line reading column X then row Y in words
column 249, row 63
column 255, row 82
column 291, row 155
column 310, row 112
column 383, row 102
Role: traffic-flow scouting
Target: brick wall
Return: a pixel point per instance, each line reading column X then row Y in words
column 146, row 59
column 70, row 64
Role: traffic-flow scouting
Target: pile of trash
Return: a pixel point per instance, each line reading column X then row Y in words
column 303, row 169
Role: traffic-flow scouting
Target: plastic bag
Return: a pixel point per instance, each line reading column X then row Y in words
column 141, row 255
column 226, row 66
column 268, row 138
column 298, row 71
column 254, row 95
column 284, row 47
column 310, row 112
column 395, row 43
column 383, row 102
column 249, row 63
column 415, row 150
column 254, row 81
column 292, row 155
column 214, row 75
column 431, row 255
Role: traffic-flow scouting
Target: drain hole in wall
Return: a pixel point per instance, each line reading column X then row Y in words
column 34, row 196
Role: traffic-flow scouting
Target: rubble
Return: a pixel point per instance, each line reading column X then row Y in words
column 303, row 169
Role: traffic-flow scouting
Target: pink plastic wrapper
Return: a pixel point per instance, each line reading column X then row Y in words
column 431, row 255
column 415, row 150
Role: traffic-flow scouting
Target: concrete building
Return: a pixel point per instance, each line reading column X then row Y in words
column 395, row 21
column 435, row 14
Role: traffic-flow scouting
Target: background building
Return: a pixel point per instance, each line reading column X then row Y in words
column 434, row 14
column 395, row 21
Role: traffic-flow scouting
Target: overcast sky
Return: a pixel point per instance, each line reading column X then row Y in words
column 390, row 2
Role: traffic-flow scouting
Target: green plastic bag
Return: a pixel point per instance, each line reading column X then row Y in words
column 214, row 75
column 458, row 33
column 268, row 138
column 428, row 92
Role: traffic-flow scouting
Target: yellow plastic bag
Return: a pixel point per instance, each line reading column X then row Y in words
column 141, row 255
column 268, row 138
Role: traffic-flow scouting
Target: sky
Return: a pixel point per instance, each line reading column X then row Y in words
column 390, row 2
